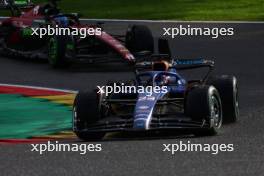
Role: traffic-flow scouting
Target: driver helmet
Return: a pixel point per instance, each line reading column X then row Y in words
column 161, row 66
column 62, row 21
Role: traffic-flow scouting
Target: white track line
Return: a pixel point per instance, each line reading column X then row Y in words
column 163, row 21
column 173, row 21
column 39, row 88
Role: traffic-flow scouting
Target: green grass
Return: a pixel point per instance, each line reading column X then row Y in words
column 167, row 9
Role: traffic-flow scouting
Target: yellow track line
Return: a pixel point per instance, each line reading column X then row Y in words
column 61, row 99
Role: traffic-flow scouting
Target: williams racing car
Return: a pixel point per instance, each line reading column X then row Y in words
column 200, row 106
column 16, row 37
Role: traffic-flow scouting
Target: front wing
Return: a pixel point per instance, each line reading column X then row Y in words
column 168, row 122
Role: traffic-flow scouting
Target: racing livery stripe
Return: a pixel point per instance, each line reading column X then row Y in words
column 37, row 88
column 28, row 91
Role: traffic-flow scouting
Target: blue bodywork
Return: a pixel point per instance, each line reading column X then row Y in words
column 62, row 21
column 146, row 103
column 153, row 110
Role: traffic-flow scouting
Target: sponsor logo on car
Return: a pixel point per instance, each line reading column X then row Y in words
column 143, row 107
column 147, row 98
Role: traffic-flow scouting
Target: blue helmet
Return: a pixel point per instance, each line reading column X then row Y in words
column 62, row 21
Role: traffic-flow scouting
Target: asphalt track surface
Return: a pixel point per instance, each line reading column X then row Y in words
column 241, row 55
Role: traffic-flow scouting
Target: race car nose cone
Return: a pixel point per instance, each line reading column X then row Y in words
column 140, row 124
column 144, row 109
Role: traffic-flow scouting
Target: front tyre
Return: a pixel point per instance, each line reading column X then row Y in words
column 86, row 111
column 204, row 103
column 227, row 87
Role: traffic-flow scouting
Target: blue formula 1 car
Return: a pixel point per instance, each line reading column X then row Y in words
column 200, row 106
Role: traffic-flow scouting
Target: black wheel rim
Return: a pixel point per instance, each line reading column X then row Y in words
column 74, row 118
column 216, row 113
column 236, row 101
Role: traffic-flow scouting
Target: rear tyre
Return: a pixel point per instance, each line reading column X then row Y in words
column 204, row 103
column 227, row 87
column 86, row 110
column 56, row 52
column 139, row 38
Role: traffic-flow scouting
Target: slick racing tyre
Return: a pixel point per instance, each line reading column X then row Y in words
column 86, row 110
column 227, row 87
column 56, row 51
column 139, row 38
column 204, row 103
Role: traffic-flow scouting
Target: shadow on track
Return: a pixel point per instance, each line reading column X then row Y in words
column 140, row 136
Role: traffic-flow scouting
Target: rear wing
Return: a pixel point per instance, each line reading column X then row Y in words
column 165, row 54
column 185, row 64
column 181, row 64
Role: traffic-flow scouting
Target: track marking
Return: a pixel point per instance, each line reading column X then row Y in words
column 60, row 135
column 39, row 88
column 161, row 21
column 171, row 21
column 60, row 99
column 65, row 99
